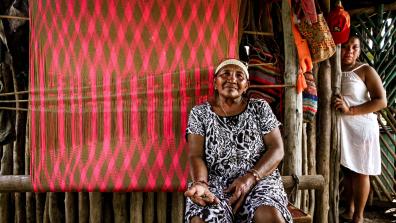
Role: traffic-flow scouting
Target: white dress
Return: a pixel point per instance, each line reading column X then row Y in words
column 360, row 147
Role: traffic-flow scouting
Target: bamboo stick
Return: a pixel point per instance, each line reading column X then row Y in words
column 387, row 132
column 376, row 190
column 390, row 151
column 120, row 207
column 71, row 199
column 161, row 207
column 323, row 154
column 148, row 207
column 389, row 122
column 95, row 207
column 371, row 10
column 390, row 162
column 383, row 188
column 136, row 207
column 83, row 207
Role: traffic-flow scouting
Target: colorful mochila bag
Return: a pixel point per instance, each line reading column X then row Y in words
column 318, row 35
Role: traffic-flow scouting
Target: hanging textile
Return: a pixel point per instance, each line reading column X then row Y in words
column 111, row 86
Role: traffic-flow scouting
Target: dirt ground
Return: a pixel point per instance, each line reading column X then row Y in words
column 379, row 212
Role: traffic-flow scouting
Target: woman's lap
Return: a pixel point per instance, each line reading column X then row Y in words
column 268, row 192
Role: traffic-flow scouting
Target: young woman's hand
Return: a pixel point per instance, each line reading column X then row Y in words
column 200, row 194
column 340, row 105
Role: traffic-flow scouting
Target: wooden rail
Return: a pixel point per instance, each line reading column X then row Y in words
column 23, row 183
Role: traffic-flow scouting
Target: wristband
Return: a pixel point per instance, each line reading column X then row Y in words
column 200, row 182
column 255, row 173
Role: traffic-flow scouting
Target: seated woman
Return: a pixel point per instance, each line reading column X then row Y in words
column 235, row 147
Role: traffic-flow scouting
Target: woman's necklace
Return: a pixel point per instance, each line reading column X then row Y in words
column 221, row 106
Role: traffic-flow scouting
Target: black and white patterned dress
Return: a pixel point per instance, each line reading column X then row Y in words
column 232, row 146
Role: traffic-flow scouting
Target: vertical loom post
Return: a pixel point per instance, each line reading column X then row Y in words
column 293, row 101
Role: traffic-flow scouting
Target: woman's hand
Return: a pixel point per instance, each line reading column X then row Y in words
column 340, row 105
column 239, row 189
column 200, row 194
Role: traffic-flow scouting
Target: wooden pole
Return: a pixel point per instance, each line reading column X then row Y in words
column 161, row 207
column 136, row 207
column 71, row 202
column 6, row 168
column 177, row 213
column 95, row 207
column 371, row 10
column 83, row 207
column 293, row 101
column 40, row 206
column 14, row 183
column 335, row 138
column 120, row 207
column 148, row 207
column 323, row 154
column 55, row 210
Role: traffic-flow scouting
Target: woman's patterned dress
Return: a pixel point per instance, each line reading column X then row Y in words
column 232, row 146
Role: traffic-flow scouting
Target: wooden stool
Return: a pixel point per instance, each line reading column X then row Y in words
column 298, row 215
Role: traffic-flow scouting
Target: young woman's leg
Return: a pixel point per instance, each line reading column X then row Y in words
column 348, row 194
column 361, row 192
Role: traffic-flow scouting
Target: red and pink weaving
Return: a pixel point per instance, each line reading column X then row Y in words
column 111, row 85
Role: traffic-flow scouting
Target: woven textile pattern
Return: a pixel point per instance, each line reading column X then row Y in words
column 111, row 86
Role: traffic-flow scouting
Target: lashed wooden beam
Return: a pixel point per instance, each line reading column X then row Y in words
column 370, row 10
column 23, row 183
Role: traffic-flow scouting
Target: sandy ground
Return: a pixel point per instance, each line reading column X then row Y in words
column 379, row 213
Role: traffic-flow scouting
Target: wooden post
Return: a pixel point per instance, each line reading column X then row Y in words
column 95, row 207
column 55, row 210
column 293, row 101
column 311, row 147
column 136, row 207
column 177, row 213
column 335, row 138
column 323, row 153
column 161, row 207
column 6, row 169
column 120, row 207
column 70, row 207
column 83, row 207
column 40, row 206
column 148, row 207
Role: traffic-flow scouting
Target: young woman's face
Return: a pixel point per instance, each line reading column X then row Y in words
column 350, row 51
column 231, row 82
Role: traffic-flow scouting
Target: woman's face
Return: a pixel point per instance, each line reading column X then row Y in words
column 350, row 51
column 231, row 82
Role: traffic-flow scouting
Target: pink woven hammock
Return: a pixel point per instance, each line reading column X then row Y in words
column 111, row 86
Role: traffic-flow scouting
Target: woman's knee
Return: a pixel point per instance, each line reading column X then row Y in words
column 196, row 219
column 268, row 214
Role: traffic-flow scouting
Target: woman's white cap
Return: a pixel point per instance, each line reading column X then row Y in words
column 233, row 62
